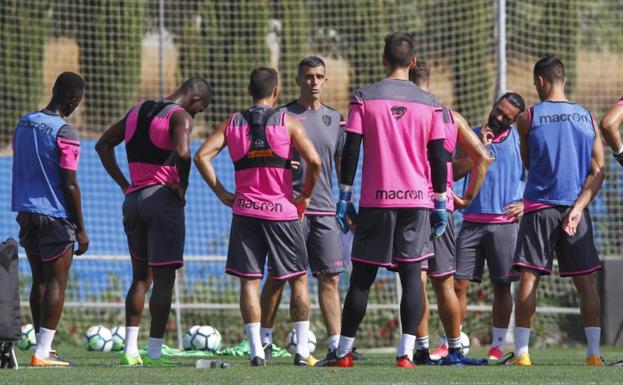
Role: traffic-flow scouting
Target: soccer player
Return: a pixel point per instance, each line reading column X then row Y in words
column 266, row 214
column 491, row 221
column 46, row 197
column 399, row 124
column 561, row 148
column 442, row 267
column 157, row 141
column 609, row 127
column 323, row 127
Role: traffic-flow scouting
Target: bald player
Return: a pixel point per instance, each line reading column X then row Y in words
column 442, row 266
column 491, row 221
column 562, row 150
column 324, row 127
column 267, row 214
column 156, row 134
column 401, row 128
column 46, row 197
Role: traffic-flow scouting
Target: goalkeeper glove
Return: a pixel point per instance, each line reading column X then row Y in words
column 345, row 208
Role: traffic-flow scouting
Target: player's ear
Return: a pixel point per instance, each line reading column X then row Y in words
column 413, row 62
column 384, row 61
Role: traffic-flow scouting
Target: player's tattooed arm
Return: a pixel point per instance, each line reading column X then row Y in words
column 105, row 148
column 203, row 160
column 609, row 127
column 591, row 186
column 307, row 151
column 478, row 156
column 523, row 127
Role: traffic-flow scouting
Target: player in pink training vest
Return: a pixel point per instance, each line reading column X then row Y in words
column 157, row 141
column 266, row 216
column 609, row 127
column 442, row 267
column 325, row 128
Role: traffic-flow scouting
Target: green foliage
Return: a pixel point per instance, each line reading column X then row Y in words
column 110, row 35
column 294, row 45
column 472, row 42
column 560, row 33
column 24, row 27
column 363, row 28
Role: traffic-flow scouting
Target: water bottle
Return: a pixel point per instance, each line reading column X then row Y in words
column 203, row 364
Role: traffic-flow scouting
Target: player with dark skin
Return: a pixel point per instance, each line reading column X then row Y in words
column 193, row 97
column 49, row 279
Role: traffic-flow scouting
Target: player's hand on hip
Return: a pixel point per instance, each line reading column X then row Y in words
column 227, row 198
column 178, row 190
column 462, row 202
column 570, row 224
column 514, row 210
column 439, row 218
column 83, row 242
column 301, row 202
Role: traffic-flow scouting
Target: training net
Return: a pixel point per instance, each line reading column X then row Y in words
column 131, row 50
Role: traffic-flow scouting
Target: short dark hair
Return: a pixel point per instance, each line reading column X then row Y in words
column 550, row 68
column 514, row 99
column 310, row 61
column 399, row 49
column 262, row 83
column 420, row 74
column 199, row 87
column 68, row 86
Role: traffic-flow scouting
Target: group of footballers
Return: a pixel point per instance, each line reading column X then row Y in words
column 529, row 186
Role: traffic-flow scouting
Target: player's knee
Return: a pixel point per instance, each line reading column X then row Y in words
column 329, row 281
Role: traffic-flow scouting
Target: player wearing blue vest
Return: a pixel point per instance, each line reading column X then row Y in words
column 562, row 150
column 609, row 127
column 491, row 221
column 46, row 197
column 442, row 267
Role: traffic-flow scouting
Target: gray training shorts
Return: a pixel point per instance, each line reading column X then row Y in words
column 541, row 238
column 153, row 219
column 490, row 242
column 252, row 239
column 324, row 246
column 443, row 263
column 45, row 236
column 386, row 237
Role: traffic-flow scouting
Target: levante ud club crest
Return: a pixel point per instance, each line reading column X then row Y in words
column 398, row 112
column 326, row 119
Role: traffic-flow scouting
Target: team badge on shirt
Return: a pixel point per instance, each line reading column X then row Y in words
column 326, row 119
column 398, row 112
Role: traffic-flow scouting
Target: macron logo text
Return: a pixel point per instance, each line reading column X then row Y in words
column 399, row 194
column 261, row 206
column 555, row 118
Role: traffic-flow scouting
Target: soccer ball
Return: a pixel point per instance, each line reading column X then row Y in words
column 188, row 336
column 28, row 338
column 206, row 338
column 465, row 343
column 98, row 338
column 291, row 341
column 118, row 338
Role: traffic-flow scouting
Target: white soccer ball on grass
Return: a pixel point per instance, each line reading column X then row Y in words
column 28, row 338
column 118, row 338
column 206, row 338
column 98, row 338
column 291, row 341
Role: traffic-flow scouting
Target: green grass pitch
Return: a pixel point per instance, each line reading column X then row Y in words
column 550, row 366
